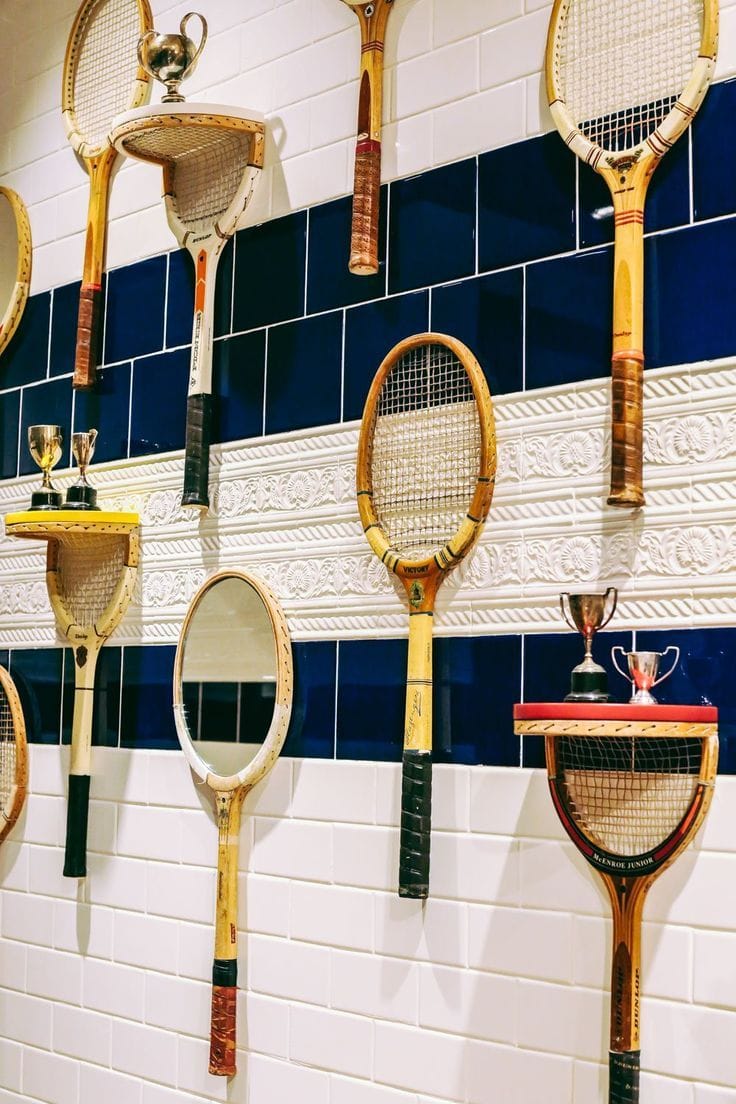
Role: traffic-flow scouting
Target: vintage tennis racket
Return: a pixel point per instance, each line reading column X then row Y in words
column 624, row 80
column 235, row 643
column 15, row 262
column 372, row 18
column 101, row 78
column 211, row 159
column 13, row 755
column 631, row 786
column 425, row 478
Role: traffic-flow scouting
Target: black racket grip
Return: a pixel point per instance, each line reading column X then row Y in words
column 77, row 810
column 197, row 452
column 416, row 824
column 623, row 1085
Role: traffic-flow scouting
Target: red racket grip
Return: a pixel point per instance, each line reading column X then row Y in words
column 366, row 208
column 416, row 824
column 89, row 334
column 223, row 1023
column 627, row 432
column 623, row 1080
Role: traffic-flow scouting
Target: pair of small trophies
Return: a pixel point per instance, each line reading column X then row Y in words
column 588, row 613
column 45, row 445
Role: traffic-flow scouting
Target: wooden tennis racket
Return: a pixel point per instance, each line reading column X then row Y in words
column 15, row 262
column 372, row 18
column 13, row 755
column 624, row 80
column 101, row 78
column 211, row 160
column 425, row 478
column 631, row 786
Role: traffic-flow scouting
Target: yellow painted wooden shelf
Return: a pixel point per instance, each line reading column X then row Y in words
column 611, row 719
column 56, row 524
column 166, row 133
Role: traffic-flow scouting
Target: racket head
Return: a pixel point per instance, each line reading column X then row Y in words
column 13, row 755
column 102, row 76
column 244, row 779
column 625, row 78
column 426, row 456
column 15, row 278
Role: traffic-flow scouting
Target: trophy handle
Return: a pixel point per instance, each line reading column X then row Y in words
column 182, row 28
column 618, row 648
column 672, row 648
column 565, row 594
column 614, row 603
column 141, row 60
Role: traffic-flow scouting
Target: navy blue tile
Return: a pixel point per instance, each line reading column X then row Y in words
column 26, row 358
column 486, row 312
column 312, row 728
column 303, row 374
column 147, row 717
column 432, row 227
column 134, row 322
column 180, row 296
column 714, row 160
column 106, row 717
column 106, row 408
column 48, row 404
column 370, row 333
column 238, row 380
column 667, row 202
column 270, row 265
column 371, row 688
column 526, row 202
column 9, row 418
column 690, row 282
column 64, row 315
column 159, row 408
column 37, row 676
column 330, row 283
column 568, row 319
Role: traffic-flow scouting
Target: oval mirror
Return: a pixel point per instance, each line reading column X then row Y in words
column 15, row 262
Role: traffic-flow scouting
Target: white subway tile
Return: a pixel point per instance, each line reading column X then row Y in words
column 144, row 1051
column 332, row 117
column 513, row 50
column 484, row 121
column 698, row 889
column 183, row 892
column 169, row 780
column 331, row 1040
column 25, row 1019
column 293, row 849
column 196, row 942
column 177, row 1004
column 159, row 1094
column 314, row 70
column 97, row 1085
column 282, row 968
column 406, row 150
column 376, row 986
column 555, row 876
column 334, row 915
column 475, row 868
column 516, row 1075
column 688, row 1041
column 450, row 799
column 273, row 1082
column 26, row 918
column 421, row 1061
column 715, row 968
column 46, row 878
column 346, row 1090
column 463, row 18
column 441, row 77
column 113, row 988
column 563, row 1019
column 13, row 957
column 713, row 1094
column 46, row 770
column 272, row 796
column 11, row 1061
column 526, row 942
column 117, row 882
column 150, row 833
column 435, row 931
column 193, row 1076
column 349, row 797
column 466, row 1003
column 54, row 976
column 263, row 904
column 146, row 941
column 314, row 177
column 45, row 820
column 82, row 928
column 81, row 1033
column 50, row 1077
column 14, row 864
column 263, row 1024
column 276, row 33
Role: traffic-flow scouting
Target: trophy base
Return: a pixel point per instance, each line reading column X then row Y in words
column 45, row 500
column 81, row 498
column 589, row 686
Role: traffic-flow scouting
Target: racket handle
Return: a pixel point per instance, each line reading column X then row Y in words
column 89, row 332
column 366, row 207
column 197, row 452
column 77, row 810
column 627, row 432
column 623, row 1085
column 416, row 824
column 223, row 1022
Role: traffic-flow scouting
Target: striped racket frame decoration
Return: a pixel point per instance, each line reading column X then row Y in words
column 13, row 755
column 640, row 134
column 89, row 102
column 421, row 577
column 10, row 320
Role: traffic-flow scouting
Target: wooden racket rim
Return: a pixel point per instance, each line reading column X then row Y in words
column 274, row 739
column 140, row 80
column 672, row 127
column 13, row 312
column 155, row 116
column 480, row 502
column 38, row 525
column 11, row 812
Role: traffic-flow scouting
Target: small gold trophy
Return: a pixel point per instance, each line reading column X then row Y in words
column 589, row 613
column 44, row 444
column 80, row 496
column 170, row 58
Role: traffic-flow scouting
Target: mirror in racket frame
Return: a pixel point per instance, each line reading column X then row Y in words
column 15, row 262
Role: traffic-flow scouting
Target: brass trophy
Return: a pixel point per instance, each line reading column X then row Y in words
column 44, row 444
column 589, row 613
column 643, row 671
column 170, row 58
column 80, row 496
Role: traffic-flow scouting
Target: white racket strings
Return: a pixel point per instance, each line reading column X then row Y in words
column 106, row 67
column 8, row 755
column 88, row 571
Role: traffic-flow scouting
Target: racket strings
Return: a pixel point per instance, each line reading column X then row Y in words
column 88, row 571
column 623, row 63
column 8, row 754
column 105, row 69
column 628, row 795
column 426, row 451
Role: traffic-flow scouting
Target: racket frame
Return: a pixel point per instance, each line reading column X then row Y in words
column 98, row 161
column 421, row 579
column 11, row 810
column 10, row 320
column 627, row 174
column 229, row 792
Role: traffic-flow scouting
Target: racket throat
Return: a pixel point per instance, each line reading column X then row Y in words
column 627, row 903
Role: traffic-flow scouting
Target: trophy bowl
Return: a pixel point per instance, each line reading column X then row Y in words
column 170, row 58
column 45, row 445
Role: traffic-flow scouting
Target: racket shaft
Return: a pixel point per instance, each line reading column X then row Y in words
column 225, row 965
column 89, row 324
column 199, row 400
column 75, row 854
column 627, row 903
column 416, row 789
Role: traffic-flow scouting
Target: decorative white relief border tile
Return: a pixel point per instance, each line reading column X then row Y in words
column 285, row 507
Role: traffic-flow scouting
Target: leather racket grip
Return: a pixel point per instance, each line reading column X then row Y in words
column 416, row 824
column 366, row 207
column 223, row 1027
column 627, row 433
column 623, row 1085
column 77, row 811
column 197, row 452
column 89, row 333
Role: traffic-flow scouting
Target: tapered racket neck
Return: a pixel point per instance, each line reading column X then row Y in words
column 627, row 896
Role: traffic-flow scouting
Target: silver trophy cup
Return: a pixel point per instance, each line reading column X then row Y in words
column 170, row 58
column 643, row 669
